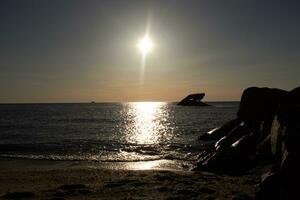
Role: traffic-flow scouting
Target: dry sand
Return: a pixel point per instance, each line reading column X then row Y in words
column 92, row 183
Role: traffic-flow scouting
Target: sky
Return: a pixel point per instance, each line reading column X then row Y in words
column 82, row 51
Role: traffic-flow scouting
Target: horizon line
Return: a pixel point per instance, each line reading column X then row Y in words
column 99, row 102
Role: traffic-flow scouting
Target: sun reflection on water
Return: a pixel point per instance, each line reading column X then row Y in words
column 146, row 125
column 146, row 131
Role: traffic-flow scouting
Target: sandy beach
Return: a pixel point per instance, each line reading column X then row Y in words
column 86, row 182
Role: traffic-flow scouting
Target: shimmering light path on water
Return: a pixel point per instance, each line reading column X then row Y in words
column 147, row 125
column 137, row 135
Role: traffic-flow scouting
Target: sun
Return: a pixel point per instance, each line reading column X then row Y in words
column 145, row 45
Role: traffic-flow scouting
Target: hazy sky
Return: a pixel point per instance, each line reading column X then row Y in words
column 81, row 51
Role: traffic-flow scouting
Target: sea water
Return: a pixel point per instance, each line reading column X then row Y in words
column 143, row 134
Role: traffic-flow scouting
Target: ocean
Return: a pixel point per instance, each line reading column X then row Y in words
column 136, row 135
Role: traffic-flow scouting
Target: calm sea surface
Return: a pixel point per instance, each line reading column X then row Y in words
column 109, row 132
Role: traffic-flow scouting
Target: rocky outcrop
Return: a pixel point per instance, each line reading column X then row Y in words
column 219, row 132
column 284, row 139
column 266, row 131
column 193, row 100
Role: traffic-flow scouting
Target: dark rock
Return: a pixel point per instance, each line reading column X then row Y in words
column 258, row 107
column 138, row 184
column 263, row 149
column 210, row 198
column 249, row 137
column 163, row 189
column 231, row 161
column 245, row 146
column 295, row 95
column 260, row 104
column 269, row 187
column 61, row 193
column 84, row 191
column 218, row 133
column 241, row 197
column 276, row 136
column 232, row 153
column 233, row 136
column 285, row 146
column 266, row 131
column 193, row 100
column 18, row 195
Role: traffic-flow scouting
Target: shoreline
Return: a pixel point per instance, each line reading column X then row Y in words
column 67, row 181
column 11, row 163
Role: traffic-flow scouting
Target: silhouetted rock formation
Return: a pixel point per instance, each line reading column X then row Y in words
column 219, row 132
column 266, row 131
column 193, row 100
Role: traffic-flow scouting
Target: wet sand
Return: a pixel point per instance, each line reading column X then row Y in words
column 65, row 181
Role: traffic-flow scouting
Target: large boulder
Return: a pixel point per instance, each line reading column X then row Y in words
column 258, row 108
column 219, row 132
column 260, row 104
column 233, row 153
column 265, row 131
column 285, row 136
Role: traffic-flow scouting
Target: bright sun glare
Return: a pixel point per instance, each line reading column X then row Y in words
column 145, row 45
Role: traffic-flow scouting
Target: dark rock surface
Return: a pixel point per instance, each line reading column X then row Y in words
column 266, row 131
column 220, row 132
column 18, row 195
column 193, row 100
